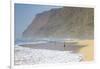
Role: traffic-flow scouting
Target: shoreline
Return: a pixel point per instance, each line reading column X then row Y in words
column 26, row 53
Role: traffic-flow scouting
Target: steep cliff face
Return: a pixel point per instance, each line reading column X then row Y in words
column 66, row 22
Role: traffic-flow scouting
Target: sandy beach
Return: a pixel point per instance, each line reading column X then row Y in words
column 88, row 50
column 54, row 52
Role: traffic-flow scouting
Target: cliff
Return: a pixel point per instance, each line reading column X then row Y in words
column 66, row 22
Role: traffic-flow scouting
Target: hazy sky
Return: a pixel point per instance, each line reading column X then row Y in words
column 25, row 13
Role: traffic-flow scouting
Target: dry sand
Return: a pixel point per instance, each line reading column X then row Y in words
column 88, row 50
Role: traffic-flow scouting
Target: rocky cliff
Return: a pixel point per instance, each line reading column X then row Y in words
column 65, row 22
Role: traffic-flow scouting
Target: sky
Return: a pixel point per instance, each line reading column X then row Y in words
column 24, row 14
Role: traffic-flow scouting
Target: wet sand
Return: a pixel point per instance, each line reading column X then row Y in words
column 71, row 46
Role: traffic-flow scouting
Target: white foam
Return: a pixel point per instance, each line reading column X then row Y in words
column 36, row 56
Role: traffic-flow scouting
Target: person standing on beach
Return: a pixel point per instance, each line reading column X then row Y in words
column 64, row 45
